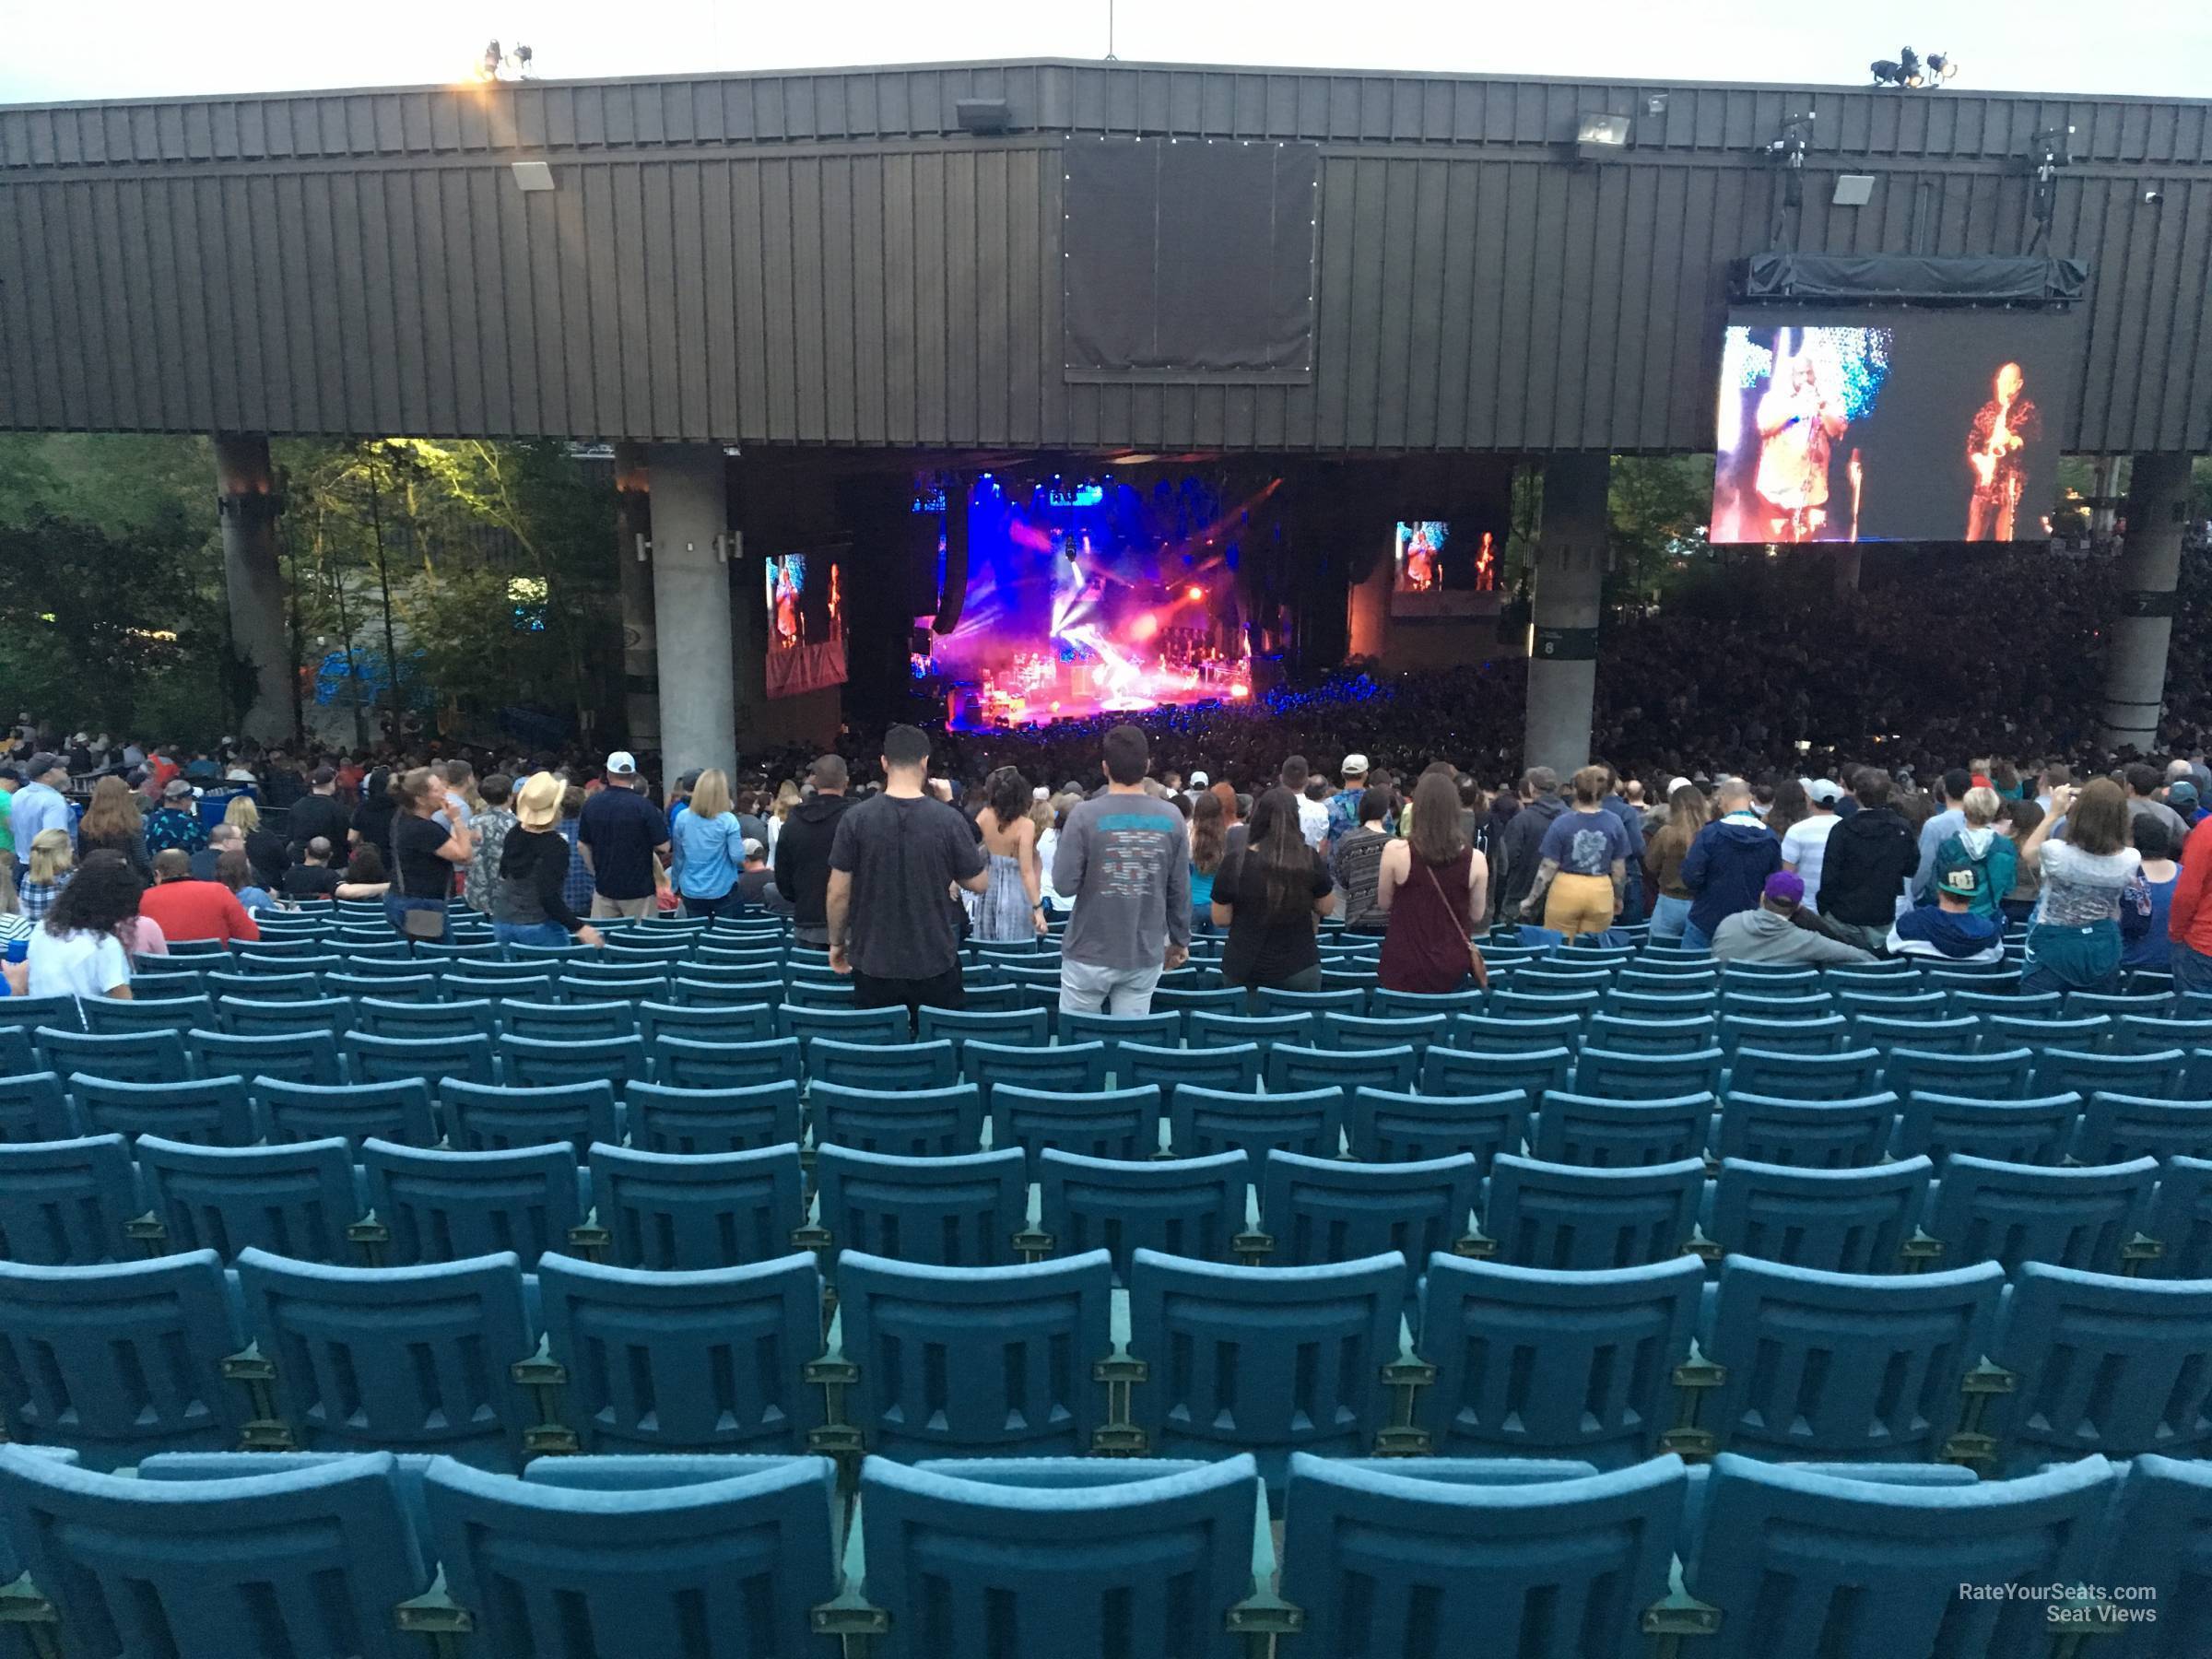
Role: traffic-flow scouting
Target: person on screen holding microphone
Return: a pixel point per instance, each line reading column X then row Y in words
column 1798, row 425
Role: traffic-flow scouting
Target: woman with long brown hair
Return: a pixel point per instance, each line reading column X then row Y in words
column 1663, row 856
column 1209, row 845
column 1270, row 893
column 1011, row 909
column 2074, row 940
column 1433, row 885
column 114, row 824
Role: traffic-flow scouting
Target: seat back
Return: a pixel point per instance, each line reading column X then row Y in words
column 426, row 1021
column 394, row 1112
column 2162, row 1535
column 122, row 1057
column 2116, row 1127
column 1403, row 1556
column 1354, row 1031
column 984, row 1361
column 2036, row 1131
column 699, row 1121
column 1292, row 1067
column 916, row 1122
column 2104, row 1364
column 303, row 1057
column 1054, row 1555
column 1634, row 1034
column 669, row 1212
column 1799, row 1077
column 433, row 1059
column 405, row 1359
column 485, row 1118
column 120, row 1362
column 592, row 1021
column 950, row 1212
column 2001, row 1076
column 1012, row 1027
column 1617, row 1134
column 294, row 1200
column 1320, row 1210
column 67, row 1202
column 1226, row 1030
column 439, row 1205
column 552, row 1063
column 1119, row 1123
column 680, row 1063
column 1530, row 1362
column 1535, row 1072
column 1845, row 1366
column 34, row 1107
column 1985, row 1211
column 1838, row 1220
column 1231, row 1068
column 1567, row 1216
column 1806, row 1034
column 215, row 1111
column 1189, row 1206
column 1816, row 1133
column 316, row 1015
column 1803, row 1551
column 709, row 1022
column 1205, row 1121
column 1383, row 1127
column 306, row 1559
column 691, row 1361
column 2181, row 1220
column 1075, row 1067
column 1514, row 1034
column 1627, row 1077
column 106, row 1016
column 2158, row 1075
column 1268, row 1361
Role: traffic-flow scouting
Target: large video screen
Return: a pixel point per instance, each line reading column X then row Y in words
column 1435, row 572
column 805, row 623
column 1938, row 426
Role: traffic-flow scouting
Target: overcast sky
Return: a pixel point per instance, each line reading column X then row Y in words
column 137, row 47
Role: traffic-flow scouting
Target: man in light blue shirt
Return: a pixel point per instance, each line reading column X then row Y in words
column 39, row 805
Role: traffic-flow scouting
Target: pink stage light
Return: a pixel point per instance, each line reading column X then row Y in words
column 1193, row 593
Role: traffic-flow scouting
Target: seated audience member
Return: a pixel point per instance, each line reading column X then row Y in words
column 77, row 950
column 313, row 877
column 188, row 908
column 1957, row 927
column 756, row 882
column 1775, row 931
column 1983, row 846
column 235, row 871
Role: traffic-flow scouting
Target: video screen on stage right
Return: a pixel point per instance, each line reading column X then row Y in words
column 1937, row 426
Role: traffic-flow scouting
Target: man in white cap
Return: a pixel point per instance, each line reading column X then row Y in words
column 1805, row 844
column 1344, row 806
column 622, row 835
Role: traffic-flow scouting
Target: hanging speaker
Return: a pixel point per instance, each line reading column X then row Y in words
column 953, row 598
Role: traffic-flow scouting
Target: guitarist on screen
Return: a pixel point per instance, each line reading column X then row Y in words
column 2005, row 425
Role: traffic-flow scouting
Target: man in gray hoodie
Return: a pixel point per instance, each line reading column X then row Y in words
column 1540, row 802
column 1771, row 933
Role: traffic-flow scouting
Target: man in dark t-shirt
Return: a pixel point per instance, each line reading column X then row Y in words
column 621, row 833
column 319, row 812
column 313, row 877
column 892, row 867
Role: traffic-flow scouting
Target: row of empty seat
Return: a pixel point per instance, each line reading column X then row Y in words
column 481, row 1361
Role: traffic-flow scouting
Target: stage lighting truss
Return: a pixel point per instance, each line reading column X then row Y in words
column 1910, row 72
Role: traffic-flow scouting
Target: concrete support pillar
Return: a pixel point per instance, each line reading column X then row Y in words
column 247, row 504
column 692, row 607
column 2134, row 663
column 1570, row 573
column 641, row 667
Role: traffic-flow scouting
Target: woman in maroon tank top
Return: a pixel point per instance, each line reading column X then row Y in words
column 1432, row 886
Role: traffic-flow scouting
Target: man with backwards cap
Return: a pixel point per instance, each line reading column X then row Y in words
column 1773, row 933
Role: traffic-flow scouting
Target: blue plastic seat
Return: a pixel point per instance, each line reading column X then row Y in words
column 682, row 1064
column 1355, row 1033
column 393, row 1112
column 845, row 1024
column 1621, row 1134
column 1381, row 1126
column 112, row 1016
column 947, row 1212
column 1119, row 1123
column 1814, row 1562
column 1077, row 1068
column 134, row 1057
column 1565, row 1216
column 294, row 1200
column 297, row 1560
column 1292, row 1067
column 58, row 1013
column 1623, row 1077
column 694, row 1121
column 709, row 1022
column 693, row 988
column 433, row 1059
column 18, row 1056
column 1808, row 1134
column 884, row 1066
column 580, row 1021
column 215, row 1111
column 497, row 1119
column 419, row 986
column 1534, row 1073
column 1059, row 1557
column 1531, row 1362
column 2113, row 1005
column 2085, row 1217
column 1205, row 1121
column 1626, row 1034
column 1007, row 1027
column 475, row 984
column 1274, row 1000
column 2104, row 1364
column 1518, row 1034
column 1191, row 1206
column 549, row 1063
column 1234, row 1067
column 2041, row 1032
column 1184, row 1001
column 2116, row 1127
column 984, row 1361
column 2161, row 1074
column 693, row 1361
column 2037, row 1131
column 2001, row 1076
column 1400, row 1004
column 35, row 1107
column 437, row 1206
column 584, row 983
column 281, row 987
column 1811, row 1034
column 1842, row 1076
column 2180, row 1220
column 1506, row 1003
column 918, row 1122
column 669, row 1212
column 1844, row 1367
column 251, row 1016
column 401, row 1358
column 1268, row 1361
column 1317, row 1209
column 1224, row 1031
column 68, row 1202
column 1840, row 1220
column 2159, row 1535
column 1929, row 1036
column 121, row 1361
column 1898, row 1002
column 1641, row 999
column 302, row 1057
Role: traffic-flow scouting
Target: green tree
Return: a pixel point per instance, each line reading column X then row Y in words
column 1659, row 506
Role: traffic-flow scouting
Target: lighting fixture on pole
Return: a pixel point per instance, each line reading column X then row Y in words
column 497, row 64
column 2048, row 151
column 1910, row 72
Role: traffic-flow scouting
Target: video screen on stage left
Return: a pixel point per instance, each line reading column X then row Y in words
column 805, row 623
column 1918, row 426
column 1437, row 573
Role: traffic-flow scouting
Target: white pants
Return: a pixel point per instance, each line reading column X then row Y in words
column 1086, row 988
